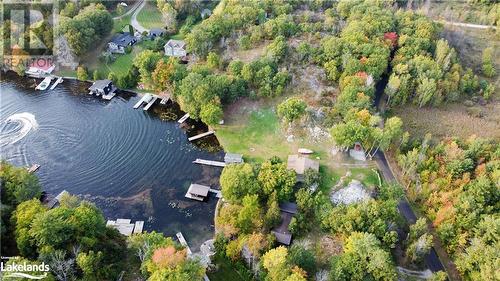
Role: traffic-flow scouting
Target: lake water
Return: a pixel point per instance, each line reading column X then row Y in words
column 131, row 163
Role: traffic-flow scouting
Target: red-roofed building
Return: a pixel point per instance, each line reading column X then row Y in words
column 40, row 68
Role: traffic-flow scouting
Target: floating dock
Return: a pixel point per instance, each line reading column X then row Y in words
column 145, row 99
column 201, row 135
column 183, row 118
column 209, row 162
column 151, row 102
column 184, row 243
column 33, row 168
column 58, row 81
column 139, row 225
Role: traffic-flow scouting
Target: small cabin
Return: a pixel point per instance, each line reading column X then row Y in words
column 233, row 158
column 281, row 232
column 102, row 87
column 301, row 164
column 197, row 192
column 175, row 48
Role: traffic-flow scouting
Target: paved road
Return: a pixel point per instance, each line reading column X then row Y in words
column 136, row 4
column 137, row 26
column 431, row 259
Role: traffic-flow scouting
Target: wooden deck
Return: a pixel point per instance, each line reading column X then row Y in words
column 209, row 162
column 201, row 135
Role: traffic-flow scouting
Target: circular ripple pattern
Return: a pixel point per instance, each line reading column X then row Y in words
column 109, row 151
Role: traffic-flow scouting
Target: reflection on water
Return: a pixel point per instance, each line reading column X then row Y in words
column 131, row 163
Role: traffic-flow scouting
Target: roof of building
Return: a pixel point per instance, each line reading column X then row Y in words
column 100, row 84
column 56, row 200
column 176, row 43
column 289, row 207
column 300, row 164
column 123, row 39
column 233, row 158
column 198, row 189
column 283, row 238
column 44, row 65
column 156, row 31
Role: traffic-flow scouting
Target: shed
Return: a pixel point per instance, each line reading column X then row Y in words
column 300, row 165
column 197, row 192
column 289, row 207
column 156, row 32
column 231, row 158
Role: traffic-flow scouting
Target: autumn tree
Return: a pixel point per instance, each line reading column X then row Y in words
column 291, row 109
column 276, row 177
column 238, row 180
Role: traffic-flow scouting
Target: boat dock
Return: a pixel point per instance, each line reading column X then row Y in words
column 33, row 168
column 145, row 99
column 44, row 84
column 150, row 103
column 110, row 95
column 218, row 193
column 58, row 81
column 201, row 135
column 184, row 243
column 209, row 162
column 183, row 118
column 125, row 227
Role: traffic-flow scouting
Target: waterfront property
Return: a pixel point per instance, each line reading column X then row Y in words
column 281, row 232
column 40, row 69
column 197, row 192
column 125, row 227
column 175, row 48
column 105, row 88
column 301, row 164
column 120, row 42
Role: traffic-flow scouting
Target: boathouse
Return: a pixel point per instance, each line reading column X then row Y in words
column 197, row 192
column 232, row 158
column 281, row 232
column 102, row 87
column 301, row 164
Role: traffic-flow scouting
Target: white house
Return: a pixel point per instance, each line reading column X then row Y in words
column 175, row 48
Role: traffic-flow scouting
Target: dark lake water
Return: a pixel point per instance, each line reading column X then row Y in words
column 131, row 163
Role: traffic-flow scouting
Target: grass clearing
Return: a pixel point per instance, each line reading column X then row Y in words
column 228, row 271
column 119, row 24
column 150, row 17
column 451, row 120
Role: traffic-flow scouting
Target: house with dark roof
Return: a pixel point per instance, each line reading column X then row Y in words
column 281, row 232
column 120, row 41
column 156, row 32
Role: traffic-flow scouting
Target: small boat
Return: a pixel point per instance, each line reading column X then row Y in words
column 44, row 84
column 33, row 168
column 305, row 151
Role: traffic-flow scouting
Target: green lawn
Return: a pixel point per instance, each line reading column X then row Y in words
column 120, row 66
column 149, row 17
column 118, row 25
column 228, row 271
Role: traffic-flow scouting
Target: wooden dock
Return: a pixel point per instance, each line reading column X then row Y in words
column 110, row 95
column 58, row 81
column 146, row 98
column 139, row 225
column 184, row 243
column 201, row 135
column 150, row 103
column 183, row 118
column 33, row 168
column 209, row 162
